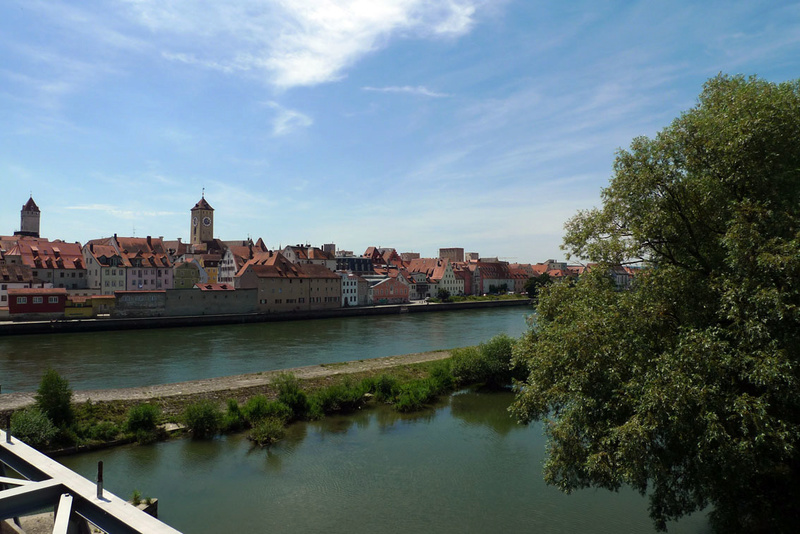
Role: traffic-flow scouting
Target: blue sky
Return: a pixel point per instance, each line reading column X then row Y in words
column 415, row 124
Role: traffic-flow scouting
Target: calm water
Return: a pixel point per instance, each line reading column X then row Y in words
column 98, row 360
column 463, row 467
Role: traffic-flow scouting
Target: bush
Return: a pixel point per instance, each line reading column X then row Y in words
column 259, row 408
column 441, row 377
column 102, row 431
column 53, row 398
column 490, row 363
column 385, row 388
column 497, row 354
column 267, row 431
column 416, row 395
column 290, row 394
column 142, row 417
column 344, row 397
column 467, row 365
column 33, row 427
column 203, row 419
column 234, row 419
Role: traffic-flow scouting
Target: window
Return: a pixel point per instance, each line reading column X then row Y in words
column 22, row 300
column 4, row 287
column 61, row 274
column 38, row 300
column 52, row 300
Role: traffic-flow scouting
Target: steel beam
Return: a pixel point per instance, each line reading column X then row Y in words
column 26, row 499
column 63, row 513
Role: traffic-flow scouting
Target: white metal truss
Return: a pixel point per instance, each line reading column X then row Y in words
column 49, row 485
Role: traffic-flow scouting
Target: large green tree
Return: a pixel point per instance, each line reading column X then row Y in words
column 687, row 386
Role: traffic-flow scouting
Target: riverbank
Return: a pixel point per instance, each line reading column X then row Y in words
column 136, row 323
column 172, row 397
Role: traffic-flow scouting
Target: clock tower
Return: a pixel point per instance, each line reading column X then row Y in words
column 202, row 223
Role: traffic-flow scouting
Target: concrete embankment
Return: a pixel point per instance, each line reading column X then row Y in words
column 133, row 323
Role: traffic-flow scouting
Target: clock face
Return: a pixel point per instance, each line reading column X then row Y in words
column 194, row 221
column 207, row 221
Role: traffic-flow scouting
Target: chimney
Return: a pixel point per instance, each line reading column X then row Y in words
column 149, row 242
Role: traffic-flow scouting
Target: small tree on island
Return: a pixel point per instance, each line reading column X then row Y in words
column 54, row 398
column 443, row 295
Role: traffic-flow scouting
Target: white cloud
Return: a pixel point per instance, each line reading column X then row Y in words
column 287, row 120
column 298, row 42
column 115, row 211
column 418, row 90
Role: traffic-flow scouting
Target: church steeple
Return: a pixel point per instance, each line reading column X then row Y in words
column 29, row 219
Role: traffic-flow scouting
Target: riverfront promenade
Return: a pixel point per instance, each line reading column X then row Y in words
column 136, row 323
column 222, row 388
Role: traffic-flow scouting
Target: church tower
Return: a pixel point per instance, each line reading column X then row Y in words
column 202, row 229
column 29, row 219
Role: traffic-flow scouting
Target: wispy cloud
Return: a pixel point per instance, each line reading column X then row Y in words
column 298, row 43
column 418, row 90
column 116, row 211
column 287, row 120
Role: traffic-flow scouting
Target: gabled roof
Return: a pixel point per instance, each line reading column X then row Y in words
column 433, row 268
column 275, row 265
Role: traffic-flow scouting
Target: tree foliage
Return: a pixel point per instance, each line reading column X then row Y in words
column 54, row 398
column 686, row 387
column 536, row 283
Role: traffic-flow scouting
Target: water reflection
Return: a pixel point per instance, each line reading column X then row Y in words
column 469, row 408
column 462, row 467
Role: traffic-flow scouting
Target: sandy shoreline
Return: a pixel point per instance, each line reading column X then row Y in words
column 230, row 386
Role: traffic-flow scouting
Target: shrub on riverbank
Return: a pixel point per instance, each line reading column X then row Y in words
column 142, row 417
column 290, row 394
column 344, row 397
column 33, row 427
column 267, row 431
column 142, row 422
column 203, row 419
column 260, row 407
column 489, row 363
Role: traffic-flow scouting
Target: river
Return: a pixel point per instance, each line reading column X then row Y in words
column 464, row 466
column 133, row 358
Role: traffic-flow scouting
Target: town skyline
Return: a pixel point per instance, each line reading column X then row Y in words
column 403, row 123
column 21, row 228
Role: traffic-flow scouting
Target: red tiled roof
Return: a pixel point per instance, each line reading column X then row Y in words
column 40, row 253
column 37, row 291
column 214, row 287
